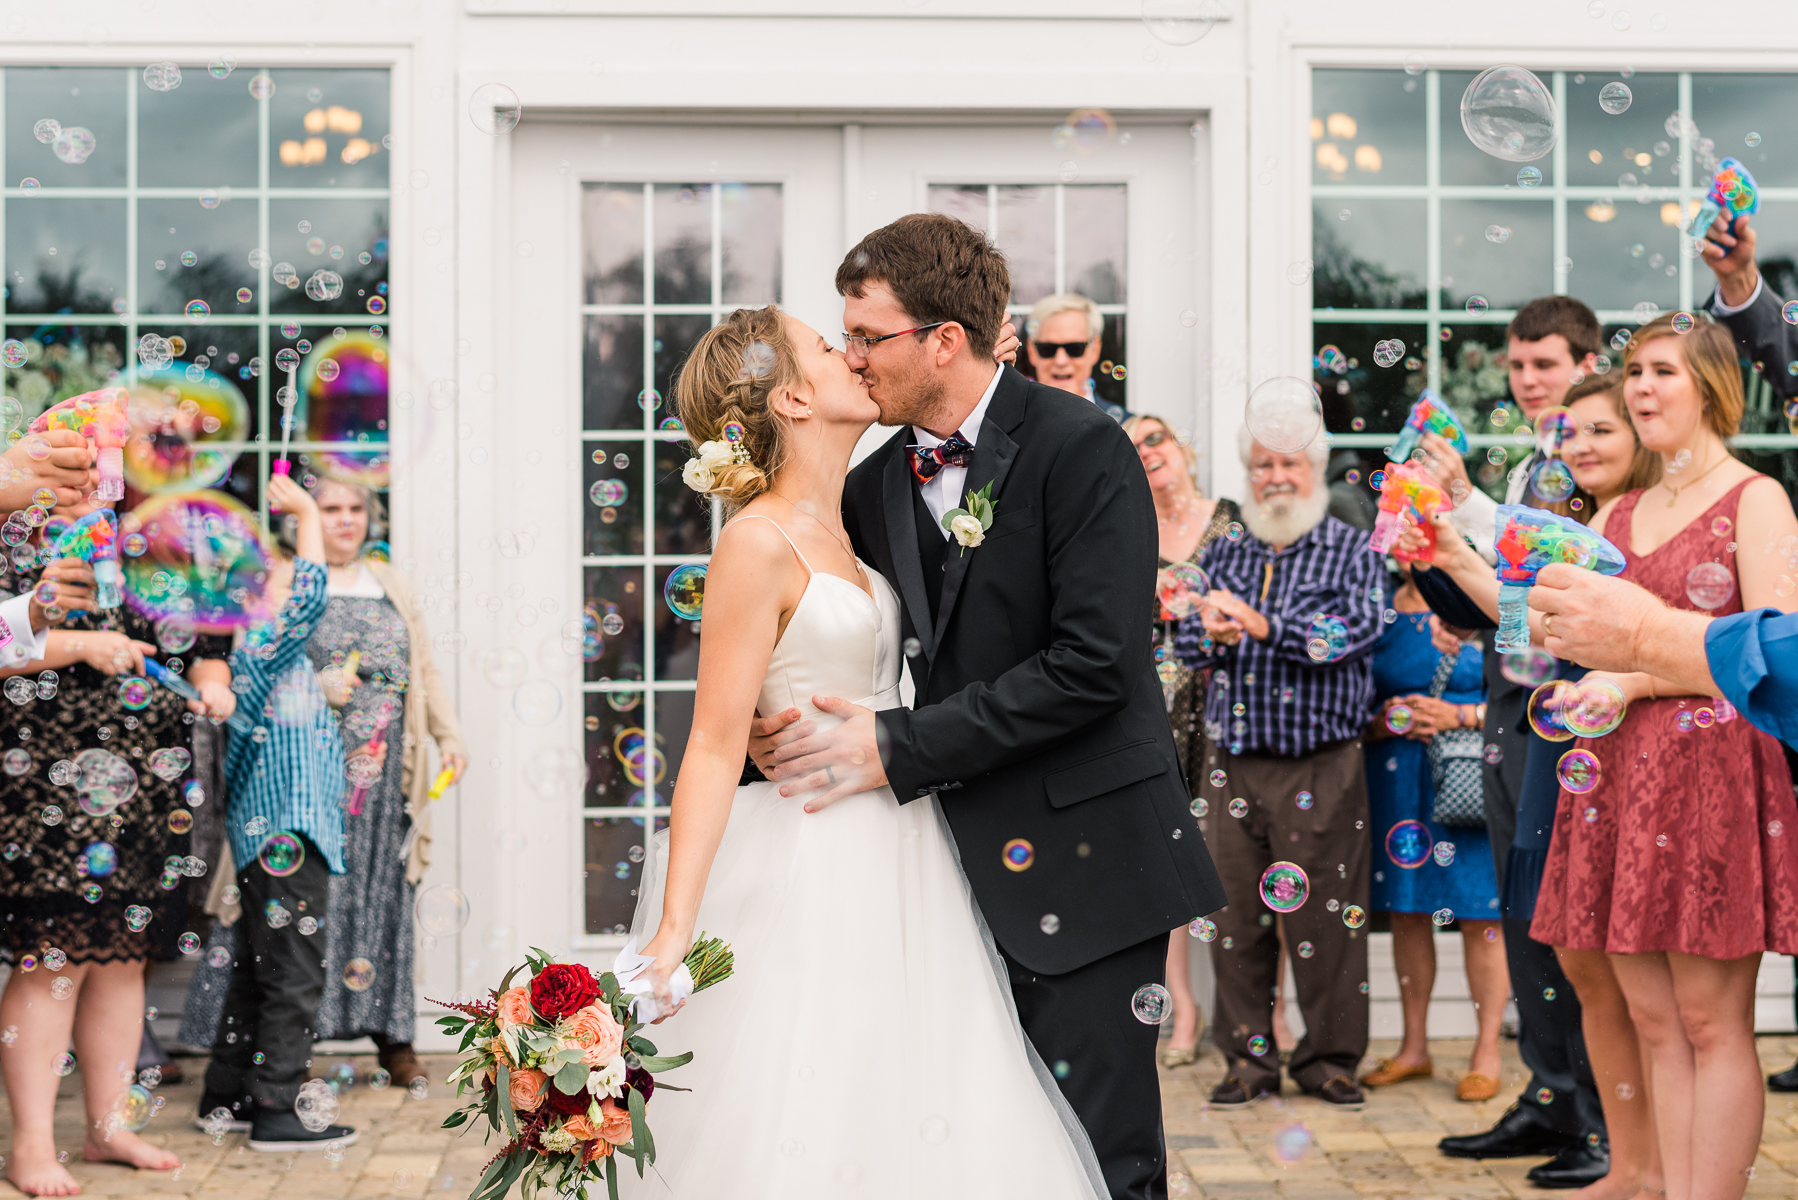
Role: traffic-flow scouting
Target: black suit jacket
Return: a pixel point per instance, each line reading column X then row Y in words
column 1764, row 336
column 1039, row 715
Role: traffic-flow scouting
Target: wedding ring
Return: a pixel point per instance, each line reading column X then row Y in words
column 830, row 775
column 1548, row 624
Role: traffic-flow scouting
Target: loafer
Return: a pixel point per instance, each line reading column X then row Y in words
column 1517, row 1134
column 1179, row 1056
column 1391, row 1071
column 1785, row 1081
column 1582, row 1163
column 1339, row 1091
column 1475, row 1087
column 1233, row 1093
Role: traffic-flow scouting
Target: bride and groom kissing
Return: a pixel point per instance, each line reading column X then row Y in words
column 940, row 914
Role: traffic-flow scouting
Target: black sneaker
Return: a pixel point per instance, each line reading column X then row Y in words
column 1233, row 1093
column 278, row 1129
column 1784, row 1081
column 237, row 1113
column 1339, row 1091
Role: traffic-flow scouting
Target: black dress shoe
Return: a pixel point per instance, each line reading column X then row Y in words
column 1785, row 1081
column 1518, row 1134
column 1576, row 1166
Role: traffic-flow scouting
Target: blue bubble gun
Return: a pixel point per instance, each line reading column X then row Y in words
column 158, row 673
column 1733, row 191
column 95, row 540
column 1529, row 539
column 1428, row 415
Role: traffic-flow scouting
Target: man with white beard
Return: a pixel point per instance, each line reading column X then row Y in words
column 1289, row 629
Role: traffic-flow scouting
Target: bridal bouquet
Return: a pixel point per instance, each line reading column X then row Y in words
column 560, row 1065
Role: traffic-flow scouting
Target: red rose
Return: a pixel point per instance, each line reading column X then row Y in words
column 568, row 1105
column 561, row 989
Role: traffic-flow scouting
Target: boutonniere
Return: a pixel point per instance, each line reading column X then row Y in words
column 969, row 525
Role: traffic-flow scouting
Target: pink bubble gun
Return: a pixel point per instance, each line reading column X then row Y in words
column 1733, row 192
column 1529, row 539
column 1428, row 415
column 95, row 539
column 1408, row 489
column 376, row 743
column 103, row 418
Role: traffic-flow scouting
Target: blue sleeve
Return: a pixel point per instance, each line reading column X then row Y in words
column 304, row 606
column 1753, row 656
column 1448, row 601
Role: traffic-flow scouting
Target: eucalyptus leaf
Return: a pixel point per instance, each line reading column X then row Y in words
column 571, row 1078
column 502, row 1088
column 667, row 1063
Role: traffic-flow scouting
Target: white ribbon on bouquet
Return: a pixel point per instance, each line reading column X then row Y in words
column 632, row 970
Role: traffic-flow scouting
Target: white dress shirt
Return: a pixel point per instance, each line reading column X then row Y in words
column 1729, row 310
column 943, row 491
column 22, row 643
column 1476, row 517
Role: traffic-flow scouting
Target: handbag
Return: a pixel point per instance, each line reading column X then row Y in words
column 1455, row 764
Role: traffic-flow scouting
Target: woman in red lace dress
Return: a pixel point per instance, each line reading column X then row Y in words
column 1683, row 861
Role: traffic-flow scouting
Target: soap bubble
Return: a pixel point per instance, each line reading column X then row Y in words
column 1258, row 1045
column 1387, row 352
column 1444, row 854
column 495, row 108
column 1205, row 929
column 1181, row 22
column 198, row 311
column 282, row 854
column 1710, row 584
column 162, row 76
column 1578, row 771
column 170, row 762
column 46, row 130
column 136, row 1107
column 1615, row 98
column 218, row 958
column 102, row 781
column 1682, row 321
column 101, row 859
column 324, row 285
column 1050, row 923
column 1509, row 113
column 684, row 591
column 1284, row 414
column 261, row 87
column 1547, row 707
column 180, row 821
column 1498, row 234
column 1409, row 844
column 1551, row 481
column 1292, row 1143
column 135, row 693
column 441, row 911
column 1529, row 177
column 188, row 943
column 1598, row 708
column 317, row 1105
column 378, row 1079
column 1326, row 638
column 1018, row 854
column 1181, row 589
column 1531, row 667
column 221, row 67
column 1285, row 887
column 1239, row 808
column 1151, row 1003
column 1304, row 800
column 358, row 975
column 1400, row 719
column 1477, row 305
column 73, row 145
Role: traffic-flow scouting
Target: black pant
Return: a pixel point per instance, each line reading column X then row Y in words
column 1083, row 1026
column 276, row 983
column 1550, row 1038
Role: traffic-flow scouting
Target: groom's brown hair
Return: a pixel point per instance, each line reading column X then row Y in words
column 939, row 269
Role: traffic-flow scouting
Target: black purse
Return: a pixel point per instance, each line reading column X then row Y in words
column 1455, row 757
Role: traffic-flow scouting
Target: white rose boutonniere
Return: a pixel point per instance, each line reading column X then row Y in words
column 699, row 471
column 969, row 525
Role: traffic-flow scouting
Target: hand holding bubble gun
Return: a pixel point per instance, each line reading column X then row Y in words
column 1429, row 415
column 95, row 539
column 441, row 784
column 103, row 418
column 377, row 742
column 1408, row 489
column 1733, row 193
column 158, row 673
column 1529, row 539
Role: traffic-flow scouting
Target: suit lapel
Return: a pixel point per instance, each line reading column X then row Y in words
column 993, row 456
column 902, row 542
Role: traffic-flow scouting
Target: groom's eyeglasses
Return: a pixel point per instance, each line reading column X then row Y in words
column 1074, row 349
column 859, row 345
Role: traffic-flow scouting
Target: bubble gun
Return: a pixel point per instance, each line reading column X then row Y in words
column 1733, row 191
column 441, row 784
column 101, row 417
column 157, row 673
column 95, row 540
column 376, row 741
column 1408, row 489
column 1529, row 539
column 1428, row 415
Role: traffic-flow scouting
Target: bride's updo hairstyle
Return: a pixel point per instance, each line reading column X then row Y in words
column 722, row 397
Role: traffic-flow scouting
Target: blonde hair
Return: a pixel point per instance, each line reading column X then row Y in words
column 727, row 380
column 1136, row 421
column 1711, row 360
column 1051, row 306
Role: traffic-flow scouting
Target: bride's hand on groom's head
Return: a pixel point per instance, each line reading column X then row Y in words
column 768, row 734
column 839, row 762
column 1006, row 349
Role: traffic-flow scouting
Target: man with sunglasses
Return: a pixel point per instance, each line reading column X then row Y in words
column 1066, row 332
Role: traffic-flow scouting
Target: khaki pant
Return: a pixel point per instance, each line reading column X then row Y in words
column 1331, row 841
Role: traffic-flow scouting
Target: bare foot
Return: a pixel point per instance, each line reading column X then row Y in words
column 1613, row 1187
column 1487, row 1064
column 40, row 1175
column 126, row 1147
column 1186, row 1030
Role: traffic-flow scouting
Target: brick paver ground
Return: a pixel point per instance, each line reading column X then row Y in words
column 1387, row 1150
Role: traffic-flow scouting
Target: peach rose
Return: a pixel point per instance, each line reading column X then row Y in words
column 614, row 1123
column 515, row 1008
column 586, row 1152
column 527, row 1089
column 579, row 1126
column 597, row 1035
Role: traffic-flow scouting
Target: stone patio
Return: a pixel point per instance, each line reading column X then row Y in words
column 1386, row 1150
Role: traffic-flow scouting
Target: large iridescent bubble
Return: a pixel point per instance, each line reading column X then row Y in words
column 180, row 428
column 343, row 398
column 206, row 561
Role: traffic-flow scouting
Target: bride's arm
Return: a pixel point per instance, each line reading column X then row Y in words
column 753, row 582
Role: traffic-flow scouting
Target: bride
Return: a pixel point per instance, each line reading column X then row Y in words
column 867, row 1044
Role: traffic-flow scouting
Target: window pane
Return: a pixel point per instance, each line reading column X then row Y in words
column 1361, row 390
column 674, row 721
column 1509, row 272
column 1096, row 225
column 1465, row 163
column 1367, row 127
column 608, row 716
column 965, row 202
column 683, row 242
column 1602, row 148
column 683, row 517
column 337, row 234
column 612, row 243
column 611, row 875
column 1027, row 236
column 677, row 641
column 617, row 591
column 65, row 255
column 214, row 371
column 612, row 373
column 752, row 246
column 202, row 134
column 674, row 337
column 1730, row 107
column 614, row 504
column 220, row 240
column 1368, row 253
column 63, row 361
column 175, row 448
column 92, row 98
column 244, row 483
column 325, row 129
column 1632, row 257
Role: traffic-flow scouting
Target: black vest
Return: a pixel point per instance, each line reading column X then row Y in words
column 933, row 548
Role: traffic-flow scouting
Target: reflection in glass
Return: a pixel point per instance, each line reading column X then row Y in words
column 1728, row 108
column 1026, row 233
column 612, row 243
column 62, row 361
column 683, row 243
column 612, row 485
column 676, row 641
column 202, row 134
column 1500, row 249
column 1602, row 147
column 345, row 238
column 1362, row 390
column 751, row 228
column 611, row 372
column 1368, row 253
column 65, row 255
column 218, row 240
column 1096, row 220
column 683, row 517
column 965, row 202
column 675, row 336
column 327, row 128
column 1367, row 127
column 617, row 592
column 1631, row 258
column 92, row 98
column 610, row 873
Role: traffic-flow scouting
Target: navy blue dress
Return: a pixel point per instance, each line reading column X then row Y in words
column 1399, row 787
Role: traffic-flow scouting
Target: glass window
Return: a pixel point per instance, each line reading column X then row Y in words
column 1367, row 127
column 713, row 247
column 1740, row 114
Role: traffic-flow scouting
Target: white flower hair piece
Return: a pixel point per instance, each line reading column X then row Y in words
column 700, row 471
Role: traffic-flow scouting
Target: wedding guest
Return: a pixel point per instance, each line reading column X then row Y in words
column 1189, row 522
column 392, row 686
column 1428, row 681
column 1685, row 918
column 1066, row 333
column 1282, row 779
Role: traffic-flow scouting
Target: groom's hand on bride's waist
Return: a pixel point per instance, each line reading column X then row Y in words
column 827, row 766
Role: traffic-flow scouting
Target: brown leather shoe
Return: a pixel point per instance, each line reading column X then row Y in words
column 1475, row 1087
column 402, row 1064
column 1339, row 1091
column 1390, row 1071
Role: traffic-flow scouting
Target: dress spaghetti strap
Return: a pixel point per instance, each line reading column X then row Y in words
column 783, row 533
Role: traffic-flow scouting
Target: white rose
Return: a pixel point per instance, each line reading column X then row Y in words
column 967, row 530
column 607, row 1080
column 715, row 454
column 697, row 475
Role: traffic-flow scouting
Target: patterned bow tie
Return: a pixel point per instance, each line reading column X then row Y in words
column 926, row 461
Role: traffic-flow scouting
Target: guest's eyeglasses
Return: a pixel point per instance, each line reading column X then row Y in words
column 1155, row 438
column 1074, row 349
column 859, row 345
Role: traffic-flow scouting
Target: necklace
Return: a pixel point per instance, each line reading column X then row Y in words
column 841, row 539
column 1673, row 492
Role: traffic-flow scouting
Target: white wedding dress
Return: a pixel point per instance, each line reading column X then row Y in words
column 867, row 1045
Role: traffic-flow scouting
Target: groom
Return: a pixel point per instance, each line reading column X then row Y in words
column 1039, row 724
